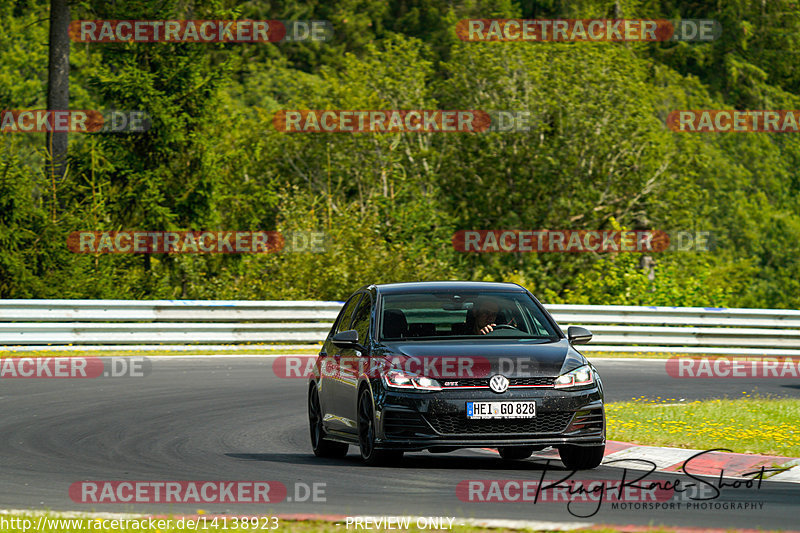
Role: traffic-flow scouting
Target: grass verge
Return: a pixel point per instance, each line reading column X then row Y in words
column 745, row 425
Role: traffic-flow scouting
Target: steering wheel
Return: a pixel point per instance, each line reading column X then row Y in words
column 504, row 326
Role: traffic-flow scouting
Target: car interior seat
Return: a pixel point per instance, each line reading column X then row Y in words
column 422, row 329
column 395, row 325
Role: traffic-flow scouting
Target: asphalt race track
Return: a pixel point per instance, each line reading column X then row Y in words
column 233, row 419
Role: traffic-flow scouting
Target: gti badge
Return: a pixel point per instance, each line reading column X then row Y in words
column 498, row 383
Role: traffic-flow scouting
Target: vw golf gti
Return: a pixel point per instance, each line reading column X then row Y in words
column 441, row 366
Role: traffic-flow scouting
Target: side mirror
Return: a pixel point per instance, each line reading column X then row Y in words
column 347, row 339
column 578, row 335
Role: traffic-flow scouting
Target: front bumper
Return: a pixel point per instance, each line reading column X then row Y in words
column 419, row 421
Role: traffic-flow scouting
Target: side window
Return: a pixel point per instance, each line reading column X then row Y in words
column 538, row 327
column 361, row 319
column 346, row 314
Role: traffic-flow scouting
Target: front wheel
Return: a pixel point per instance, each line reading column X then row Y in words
column 321, row 446
column 366, row 434
column 581, row 457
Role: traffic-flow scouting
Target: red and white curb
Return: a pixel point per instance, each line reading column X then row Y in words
column 733, row 465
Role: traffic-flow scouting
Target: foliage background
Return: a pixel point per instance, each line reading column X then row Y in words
column 599, row 156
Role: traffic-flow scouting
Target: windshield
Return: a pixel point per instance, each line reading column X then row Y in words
column 459, row 314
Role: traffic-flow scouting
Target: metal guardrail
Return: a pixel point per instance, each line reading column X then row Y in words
column 176, row 323
column 708, row 330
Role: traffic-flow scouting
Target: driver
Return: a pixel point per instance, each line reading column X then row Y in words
column 485, row 312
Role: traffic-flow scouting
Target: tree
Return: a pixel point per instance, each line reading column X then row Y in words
column 58, row 85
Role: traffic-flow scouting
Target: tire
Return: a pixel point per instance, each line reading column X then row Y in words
column 366, row 435
column 515, row 453
column 581, row 457
column 319, row 444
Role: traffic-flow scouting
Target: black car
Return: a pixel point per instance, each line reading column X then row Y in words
column 440, row 366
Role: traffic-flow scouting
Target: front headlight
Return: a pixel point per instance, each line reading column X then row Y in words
column 580, row 377
column 399, row 379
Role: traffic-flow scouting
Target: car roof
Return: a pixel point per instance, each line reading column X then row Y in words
column 447, row 286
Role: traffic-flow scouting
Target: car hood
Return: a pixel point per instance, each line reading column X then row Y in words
column 512, row 358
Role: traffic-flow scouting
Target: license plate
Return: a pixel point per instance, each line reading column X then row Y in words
column 501, row 409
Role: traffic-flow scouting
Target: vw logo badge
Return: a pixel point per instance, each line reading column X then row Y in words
column 498, row 383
